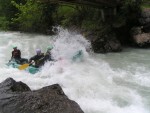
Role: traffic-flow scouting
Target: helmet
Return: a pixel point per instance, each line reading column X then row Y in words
column 50, row 47
column 14, row 46
column 38, row 51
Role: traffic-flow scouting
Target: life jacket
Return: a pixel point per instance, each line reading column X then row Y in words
column 16, row 54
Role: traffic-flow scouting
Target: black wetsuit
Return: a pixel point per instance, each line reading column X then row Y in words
column 16, row 54
column 38, row 59
column 48, row 56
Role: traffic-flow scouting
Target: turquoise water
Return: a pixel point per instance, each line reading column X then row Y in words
column 99, row 83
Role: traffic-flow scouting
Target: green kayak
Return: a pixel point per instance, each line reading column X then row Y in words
column 29, row 69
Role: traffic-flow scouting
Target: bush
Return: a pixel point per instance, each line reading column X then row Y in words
column 3, row 23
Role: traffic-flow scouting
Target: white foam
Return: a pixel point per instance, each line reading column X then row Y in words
column 99, row 83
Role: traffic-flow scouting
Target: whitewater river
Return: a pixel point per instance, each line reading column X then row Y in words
column 99, row 83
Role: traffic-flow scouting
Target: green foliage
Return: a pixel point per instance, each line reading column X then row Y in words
column 145, row 4
column 34, row 16
column 130, row 6
column 92, row 20
column 65, row 14
column 7, row 12
column 26, row 15
column 83, row 17
column 90, row 25
column 3, row 23
column 47, row 19
column 130, row 11
column 29, row 16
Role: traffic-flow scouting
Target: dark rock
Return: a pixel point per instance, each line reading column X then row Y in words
column 144, row 20
column 136, row 31
column 123, row 35
column 100, row 44
column 146, row 28
column 140, row 38
column 141, row 34
column 16, row 97
column 10, row 85
column 113, row 45
column 108, row 43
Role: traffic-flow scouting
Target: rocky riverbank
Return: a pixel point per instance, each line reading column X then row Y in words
column 114, row 38
column 141, row 34
column 17, row 97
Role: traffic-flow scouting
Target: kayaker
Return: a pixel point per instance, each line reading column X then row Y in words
column 16, row 56
column 48, row 56
column 38, row 59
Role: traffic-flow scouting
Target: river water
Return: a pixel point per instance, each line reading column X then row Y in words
column 99, row 83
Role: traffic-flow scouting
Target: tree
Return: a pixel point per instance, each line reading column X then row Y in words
column 34, row 16
column 7, row 12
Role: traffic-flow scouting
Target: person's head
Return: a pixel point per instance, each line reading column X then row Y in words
column 15, row 47
column 38, row 51
column 50, row 47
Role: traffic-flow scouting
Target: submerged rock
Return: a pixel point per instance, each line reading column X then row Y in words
column 16, row 97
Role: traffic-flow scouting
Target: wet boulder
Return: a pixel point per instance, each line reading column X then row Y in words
column 16, row 97
column 141, row 34
column 108, row 43
column 139, row 37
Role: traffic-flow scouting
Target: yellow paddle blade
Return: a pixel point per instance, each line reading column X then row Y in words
column 24, row 66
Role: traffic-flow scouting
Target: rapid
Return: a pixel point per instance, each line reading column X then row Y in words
column 99, row 83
